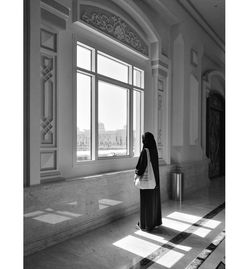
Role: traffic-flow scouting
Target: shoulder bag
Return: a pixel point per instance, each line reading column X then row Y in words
column 147, row 180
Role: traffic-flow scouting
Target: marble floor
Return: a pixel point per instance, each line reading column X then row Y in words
column 192, row 236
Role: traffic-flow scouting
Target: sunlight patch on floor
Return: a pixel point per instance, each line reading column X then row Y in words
column 209, row 223
column 170, row 258
column 161, row 240
column 137, row 246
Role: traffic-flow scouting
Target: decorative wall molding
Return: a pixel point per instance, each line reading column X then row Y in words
column 194, row 58
column 48, row 119
column 55, row 6
column 113, row 26
column 48, row 92
column 54, row 14
column 48, row 160
column 160, row 119
column 194, row 110
column 48, row 40
column 160, row 74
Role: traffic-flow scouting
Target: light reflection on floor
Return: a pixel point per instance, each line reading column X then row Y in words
column 137, row 246
column 72, row 203
column 161, row 240
column 104, row 203
column 59, row 216
column 180, row 226
column 176, row 221
column 170, row 258
column 192, row 219
column 184, row 217
column 51, row 218
column 33, row 214
column 49, row 209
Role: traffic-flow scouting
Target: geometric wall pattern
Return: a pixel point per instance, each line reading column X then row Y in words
column 48, row 118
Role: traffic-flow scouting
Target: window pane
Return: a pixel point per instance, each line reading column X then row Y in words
column 138, row 78
column 83, row 117
column 137, row 122
column 112, row 120
column 111, row 67
column 83, row 57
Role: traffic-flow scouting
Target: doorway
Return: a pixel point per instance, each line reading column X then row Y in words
column 215, row 148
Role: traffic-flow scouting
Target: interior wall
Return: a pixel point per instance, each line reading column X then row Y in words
column 170, row 62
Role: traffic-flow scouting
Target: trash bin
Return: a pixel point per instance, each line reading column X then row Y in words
column 177, row 186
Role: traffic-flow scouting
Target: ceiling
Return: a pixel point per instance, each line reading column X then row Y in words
column 209, row 14
column 212, row 12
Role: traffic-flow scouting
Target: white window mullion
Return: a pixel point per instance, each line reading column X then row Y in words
column 95, row 109
column 142, row 117
column 130, row 123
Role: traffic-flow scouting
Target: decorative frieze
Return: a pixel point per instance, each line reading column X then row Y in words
column 113, row 26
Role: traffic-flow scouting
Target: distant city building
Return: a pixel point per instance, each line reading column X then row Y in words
column 110, row 139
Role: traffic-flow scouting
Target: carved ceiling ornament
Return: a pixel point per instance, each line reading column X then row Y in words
column 114, row 26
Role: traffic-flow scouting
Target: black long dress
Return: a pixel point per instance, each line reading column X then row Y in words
column 150, row 200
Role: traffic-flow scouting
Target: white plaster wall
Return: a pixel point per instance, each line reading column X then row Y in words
column 117, row 186
column 194, row 38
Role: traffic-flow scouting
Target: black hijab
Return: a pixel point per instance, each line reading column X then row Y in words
column 149, row 142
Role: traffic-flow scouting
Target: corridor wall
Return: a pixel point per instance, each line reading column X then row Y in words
column 180, row 51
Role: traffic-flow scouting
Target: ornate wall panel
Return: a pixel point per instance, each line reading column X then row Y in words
column 113, row 26
column 160, row 116
column 194, row 111
column 48, row 84
column 160, row 77
column 48, row 40
column 48, row 120
column 48, row 160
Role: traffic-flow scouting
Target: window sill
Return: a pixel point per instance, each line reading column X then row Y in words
column 104, row 160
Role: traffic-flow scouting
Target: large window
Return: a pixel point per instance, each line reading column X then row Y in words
column 109, row 106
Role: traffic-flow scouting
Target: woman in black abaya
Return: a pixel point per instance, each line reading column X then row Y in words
column 150, row 200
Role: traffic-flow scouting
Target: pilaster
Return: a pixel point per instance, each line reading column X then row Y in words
column 54, row 18
column 160, row 71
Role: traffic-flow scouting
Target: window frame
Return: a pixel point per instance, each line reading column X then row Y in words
column 94, row 100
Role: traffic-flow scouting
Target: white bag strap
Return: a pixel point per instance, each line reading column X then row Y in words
column 148, row 156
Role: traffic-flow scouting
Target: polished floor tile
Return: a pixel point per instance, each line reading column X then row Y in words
column 188, row 230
